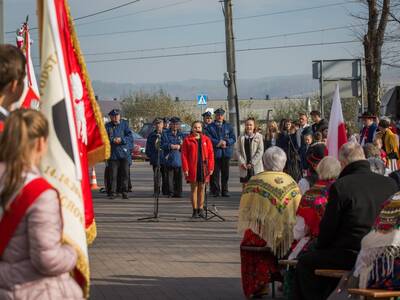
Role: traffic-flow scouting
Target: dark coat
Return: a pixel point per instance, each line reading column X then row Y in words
column 224, row 132
column 121, row 130
column 151, row 150
column 172, row 157
column 306, row 130
column 354, row 202
column 370, row 134
column 318, row 127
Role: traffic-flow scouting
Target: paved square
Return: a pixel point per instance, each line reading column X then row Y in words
column 171, row 259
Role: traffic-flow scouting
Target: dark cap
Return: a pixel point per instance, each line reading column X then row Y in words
column 175, row 120
column 114, row 112
column 207, row 114
column 367, row 115
column 220, row 111
column 157, row 121
column 166, row 120
column 315, row 154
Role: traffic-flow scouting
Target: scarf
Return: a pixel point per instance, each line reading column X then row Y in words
column 268, row 207
column 383, row 242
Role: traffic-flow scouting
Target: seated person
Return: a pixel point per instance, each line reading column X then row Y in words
column 354, row 202
column 267, row 216
column 312, row 205
column 378, row 263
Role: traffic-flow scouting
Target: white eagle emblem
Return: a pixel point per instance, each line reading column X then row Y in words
column 77, row 94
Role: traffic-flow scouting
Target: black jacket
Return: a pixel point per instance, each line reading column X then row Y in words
column 320, row 126
column 354, row 202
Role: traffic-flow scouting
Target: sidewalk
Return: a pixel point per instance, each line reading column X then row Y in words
column 171, row 259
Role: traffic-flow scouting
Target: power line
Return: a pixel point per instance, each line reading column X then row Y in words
column 223, row 51
column 219, row 43
column 135, row 13
column 215, row 21
column 92, row 14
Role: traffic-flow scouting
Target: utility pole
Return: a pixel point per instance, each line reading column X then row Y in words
column 230, row 76
column 2, row 41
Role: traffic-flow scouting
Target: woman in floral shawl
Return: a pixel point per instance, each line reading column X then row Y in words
column 267, row 216
column 378, row 263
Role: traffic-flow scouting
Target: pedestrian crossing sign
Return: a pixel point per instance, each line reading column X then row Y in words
column 201, row 99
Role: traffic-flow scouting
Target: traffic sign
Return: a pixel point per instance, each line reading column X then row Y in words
column 202, row 99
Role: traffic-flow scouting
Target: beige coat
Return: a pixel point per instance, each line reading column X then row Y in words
column 257, row 151
column 35, row 265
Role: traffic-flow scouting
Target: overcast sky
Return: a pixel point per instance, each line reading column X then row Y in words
column 147, row 14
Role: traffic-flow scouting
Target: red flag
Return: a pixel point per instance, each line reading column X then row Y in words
column 337, row 130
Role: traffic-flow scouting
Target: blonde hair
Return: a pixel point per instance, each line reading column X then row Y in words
column 268, row 134
column 328, row 168
column 21, row 130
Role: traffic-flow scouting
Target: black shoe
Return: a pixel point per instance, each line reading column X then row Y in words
column 195, row 215
column 124, row 196
column 225, row 194
column 201, row 214
column 111, row 196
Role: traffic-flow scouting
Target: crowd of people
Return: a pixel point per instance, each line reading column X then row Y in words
column 297, row 201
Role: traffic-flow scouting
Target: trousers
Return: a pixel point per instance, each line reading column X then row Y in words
column 118, row 171
column 175, row 181
column 309, row 286
column 221, row 173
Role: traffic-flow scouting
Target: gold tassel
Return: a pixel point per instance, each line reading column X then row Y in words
column 91, row 233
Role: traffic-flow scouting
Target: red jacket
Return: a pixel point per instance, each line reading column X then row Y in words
column 190, row 153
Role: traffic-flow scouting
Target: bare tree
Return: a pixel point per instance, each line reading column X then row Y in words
column 378, row 16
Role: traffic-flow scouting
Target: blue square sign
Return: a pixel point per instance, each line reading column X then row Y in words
column 201, row 99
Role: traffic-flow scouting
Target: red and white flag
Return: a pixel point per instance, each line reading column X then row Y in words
column 77, row 136
column 30, row 96
column 336, row 130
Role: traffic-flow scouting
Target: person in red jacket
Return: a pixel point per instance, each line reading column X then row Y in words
column 197, row 171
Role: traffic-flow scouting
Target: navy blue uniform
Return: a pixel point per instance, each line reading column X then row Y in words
column 173, row 161
column 120, row 156
column 218, row 132
column 151, row 152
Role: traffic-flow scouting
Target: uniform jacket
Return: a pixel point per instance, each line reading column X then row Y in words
column 172, row 157
column 151, row 149
column 222, row 132
column 355, row 200
column 257, row 151
column 370, row 134
column 121, row 130
column 190, row 157
column 35, row 265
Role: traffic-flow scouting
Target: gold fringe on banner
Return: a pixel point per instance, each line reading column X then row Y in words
column 91, row 233
column 102, row 153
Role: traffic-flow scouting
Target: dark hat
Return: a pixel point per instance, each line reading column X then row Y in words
column 166, row 120
column 175, row 120
column 315, row 154
column 114, row 112
column 157, row 121
column 207, row 114
column 220, row 111
column 367, row 115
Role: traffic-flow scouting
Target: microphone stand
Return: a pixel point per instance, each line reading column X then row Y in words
column 156, row 217
column 214, row 213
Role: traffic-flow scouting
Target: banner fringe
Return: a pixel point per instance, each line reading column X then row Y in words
column 91, row 233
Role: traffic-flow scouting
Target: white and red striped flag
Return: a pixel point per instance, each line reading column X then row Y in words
column 30, row 96
column 337, row 130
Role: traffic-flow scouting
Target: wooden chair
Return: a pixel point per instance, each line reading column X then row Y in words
column 330, row 273
column 375, row 294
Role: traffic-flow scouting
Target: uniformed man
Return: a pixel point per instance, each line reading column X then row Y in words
column 207, row 119
column 156, row 157
column 171, row 142
column 120, row 138
column 223, row 139
column 166, row 121
column 12, row 74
